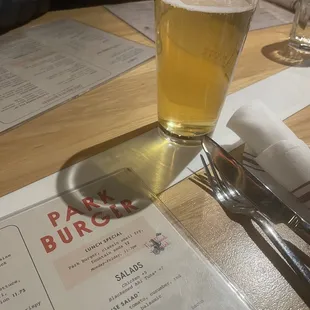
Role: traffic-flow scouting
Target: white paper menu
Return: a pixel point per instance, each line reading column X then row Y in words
column 105, row 246
column 49, row 64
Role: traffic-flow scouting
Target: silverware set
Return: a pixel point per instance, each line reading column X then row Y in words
column 229, row 191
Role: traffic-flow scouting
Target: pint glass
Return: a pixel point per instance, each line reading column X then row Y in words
column 300, row 33
column 198, row 43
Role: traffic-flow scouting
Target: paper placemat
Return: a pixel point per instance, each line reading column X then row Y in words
column 49, row 64
column 111, row 238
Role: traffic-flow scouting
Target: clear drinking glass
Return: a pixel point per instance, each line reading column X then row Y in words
column 300, row 33
column 198, row 43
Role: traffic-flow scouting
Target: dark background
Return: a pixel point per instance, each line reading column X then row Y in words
column 14, row 13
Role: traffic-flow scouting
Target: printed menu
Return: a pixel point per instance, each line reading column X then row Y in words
column 108, row 246
column 49, row 64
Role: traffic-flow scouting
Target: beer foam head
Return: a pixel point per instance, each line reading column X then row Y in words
column 213, row 6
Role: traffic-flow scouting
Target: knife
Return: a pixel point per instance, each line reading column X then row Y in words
column 278, row 204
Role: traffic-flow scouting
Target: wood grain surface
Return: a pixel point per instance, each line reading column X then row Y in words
column 112, row 113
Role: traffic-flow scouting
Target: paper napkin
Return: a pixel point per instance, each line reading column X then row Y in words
column 274, row 148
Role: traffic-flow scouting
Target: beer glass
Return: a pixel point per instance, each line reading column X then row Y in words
column 300, row 33
column 197, row 43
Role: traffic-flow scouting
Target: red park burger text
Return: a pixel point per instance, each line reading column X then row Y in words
column 96, row 216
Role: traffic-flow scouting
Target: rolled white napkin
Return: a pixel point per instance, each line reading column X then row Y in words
column 275, row 148
column 259, row 127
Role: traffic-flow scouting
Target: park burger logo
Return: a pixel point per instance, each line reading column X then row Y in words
column 80, row 222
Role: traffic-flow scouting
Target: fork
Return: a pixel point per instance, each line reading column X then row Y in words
column 231, row 200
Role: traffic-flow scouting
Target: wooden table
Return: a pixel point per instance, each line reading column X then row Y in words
column 118, row 110
column 126, row 107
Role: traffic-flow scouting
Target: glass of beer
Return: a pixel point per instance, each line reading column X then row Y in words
column 197, row 43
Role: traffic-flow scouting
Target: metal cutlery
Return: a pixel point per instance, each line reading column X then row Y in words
column 231, row 200
column 286, row 209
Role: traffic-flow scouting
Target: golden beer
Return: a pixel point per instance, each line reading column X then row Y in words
column 198, row 43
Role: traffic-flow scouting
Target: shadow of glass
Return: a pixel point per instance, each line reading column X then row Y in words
column 109, row 197
column 286, row 55
column 154, row 159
